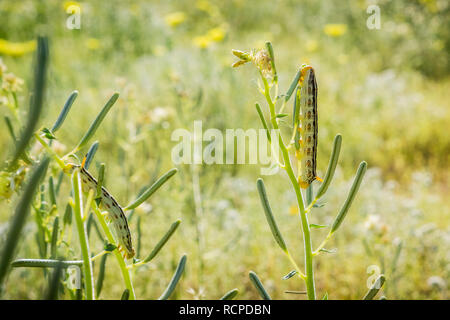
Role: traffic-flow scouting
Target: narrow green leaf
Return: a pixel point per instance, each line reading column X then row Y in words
column 293, row 85
column 125, row 294
column 101, row 178
column 259, row 286
column 44, row 263
column 51, row 191
column 230, row 294
column 296, row 113
column 269, row 216
column 52, row 293
column 281, row 115
column 36, row 100
column 101, row 276
column 290, row 275
column 109, row 247
column 325, row 296
column 272, row 60
column 98, row 120
column 139, row 235
column 375, row 288
column 48, row 134
column 331, row 166
column 317, row 226
column 68, row 215
column 10, row 128
column 18, row 220
column 309, row 194
column 152, row 189
column 54, row 241
column 263, row 120
column 353, row 191
column 90, row 155
column 174, row 281
column 328, row 251
column 63, row 114
column 163, row 241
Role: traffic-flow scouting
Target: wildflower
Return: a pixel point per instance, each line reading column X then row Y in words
column 262, row 60
column 436, row 282
column 92, row 43
column 216, row 34
column 335, row 30
column 16, row 49
column 202, row 41
column 175, row 18
column 293, row 210
column 12, row 83
column 68, row 4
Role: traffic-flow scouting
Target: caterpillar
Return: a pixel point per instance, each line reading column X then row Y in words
column 307, row 130
column 115, row 211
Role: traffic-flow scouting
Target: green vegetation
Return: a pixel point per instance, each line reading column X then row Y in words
column 158, row 66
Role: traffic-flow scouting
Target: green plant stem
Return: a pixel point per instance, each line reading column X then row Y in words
column 82, row 234
column 310, row 288
column 123, row 267
column 50, row 150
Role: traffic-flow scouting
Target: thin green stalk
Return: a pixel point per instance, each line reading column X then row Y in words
column 123, row 267
column 82, row 235
column 304, row 219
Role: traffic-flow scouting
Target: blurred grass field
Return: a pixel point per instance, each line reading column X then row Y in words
column 385, row 91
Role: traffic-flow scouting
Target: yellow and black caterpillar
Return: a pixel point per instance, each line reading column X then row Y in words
column 307, row 128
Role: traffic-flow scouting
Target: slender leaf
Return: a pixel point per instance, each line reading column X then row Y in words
column 98, row 120
column 331, row 166
column 293, row 85
column 36, row 100
column 54, row 241
column 269, row 215
column 375, row 288
column 263, row 120
column 152, row 189
column 125, row 294
column 63, row 114
column 259, row 286
column 101, row 276
column 52, row 293
column 174, row 281
column 353, row 191
column 163, row 241
column 90, row 155
column 230, row 294
column 44, row 263
column 18, row 220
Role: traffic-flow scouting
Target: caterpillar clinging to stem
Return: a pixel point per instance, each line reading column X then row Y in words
column 307, row 128
column 115, row 211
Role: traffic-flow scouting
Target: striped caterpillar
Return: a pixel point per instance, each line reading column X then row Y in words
column 115, row 212
column 307, row 130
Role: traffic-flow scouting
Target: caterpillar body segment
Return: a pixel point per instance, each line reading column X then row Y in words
column 307, row 135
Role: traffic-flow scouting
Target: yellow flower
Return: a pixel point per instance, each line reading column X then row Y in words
column 202, row 41
column 216, row 34
column 16, row 49
column 92, row 43
column 175, row 18
column 293, row 210
column 68, row 4
column 335, row 30
column 11, row 83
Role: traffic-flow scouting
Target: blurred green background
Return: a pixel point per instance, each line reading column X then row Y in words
column 385, row 91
